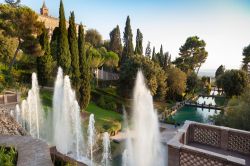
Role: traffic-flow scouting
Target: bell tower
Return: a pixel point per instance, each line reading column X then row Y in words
column 44, row 10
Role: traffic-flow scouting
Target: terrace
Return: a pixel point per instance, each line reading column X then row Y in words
column 201, row 144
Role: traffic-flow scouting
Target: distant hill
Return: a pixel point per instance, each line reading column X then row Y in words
column 207, row 72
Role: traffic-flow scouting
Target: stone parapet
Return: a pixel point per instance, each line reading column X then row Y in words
column 202, row 144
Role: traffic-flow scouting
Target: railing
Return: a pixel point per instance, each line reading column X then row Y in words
column 104, row 75
column 8, row 101
column 181, row 153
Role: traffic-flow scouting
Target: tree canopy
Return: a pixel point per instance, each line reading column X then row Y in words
column 128, row 48
column 221, row 70
column 63, row 55
column 139, row 40
column 246, row 58
column 93, row 37
column 115, row 44
column 192, row 55
column 21, row 23
column 233, row 82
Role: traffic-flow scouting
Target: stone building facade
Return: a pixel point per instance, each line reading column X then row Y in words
column 51, row 22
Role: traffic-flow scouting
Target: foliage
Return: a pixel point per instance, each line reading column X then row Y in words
column 21, row 23
column 85, row 72
column 111, row 59
column 128, row 49
column 138, row 47
column 153, row 55
column 155, row 76
column 73, row 47
column 237, row 113
column 221, row 70
column 7, row 48
column 54, row 43
column 192, row 55
column 233, row 82
column 246, row 57
column 8, row 156
column 192, row 82
column 115, row 44
column 93, row 37
column 63, row 54
column 176, row 82
column 148, row 50
column 44, row 62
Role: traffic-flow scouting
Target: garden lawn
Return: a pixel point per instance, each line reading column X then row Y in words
column 106, row 120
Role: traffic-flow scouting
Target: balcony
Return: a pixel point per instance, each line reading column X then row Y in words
column 198, row 144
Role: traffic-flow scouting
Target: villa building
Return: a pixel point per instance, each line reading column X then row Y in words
column 51, row 22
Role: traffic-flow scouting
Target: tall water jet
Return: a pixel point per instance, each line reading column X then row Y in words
column 106, row 155
column 32, row 111
column 91, row 137
column 67, row 127
column 145, row 145
column 17, row 112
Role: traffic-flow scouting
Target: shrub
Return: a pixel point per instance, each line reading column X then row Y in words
column 8, row 156
column 101, row 102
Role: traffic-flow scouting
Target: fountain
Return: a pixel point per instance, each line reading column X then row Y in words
column 91, row 137
column 143, row 147
column 68, row 133
column 31, row 110
column 106, row 156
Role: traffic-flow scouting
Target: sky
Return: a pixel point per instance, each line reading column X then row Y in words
column 223, row 24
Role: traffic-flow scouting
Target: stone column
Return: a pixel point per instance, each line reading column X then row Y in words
column 173, row 156
column 224, row 138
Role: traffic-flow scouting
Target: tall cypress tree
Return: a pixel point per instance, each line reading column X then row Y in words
column 64, row 59
column 54, row 43
column 153, row 55
column 148, row 50
column 45, row 62
column 115, row 43
column 138, row 47
column 128, row 49
column 85, row 88
column 73, row 47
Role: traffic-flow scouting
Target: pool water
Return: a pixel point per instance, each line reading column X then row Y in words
column 199, row 114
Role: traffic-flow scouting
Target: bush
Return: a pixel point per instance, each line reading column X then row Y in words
column 111, row 106
column 101, row 102
column 8, row 156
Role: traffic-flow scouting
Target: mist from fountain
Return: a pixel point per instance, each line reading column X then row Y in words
column 106, row 155
column 68, row 133
column 91, row 137
column 143, row 147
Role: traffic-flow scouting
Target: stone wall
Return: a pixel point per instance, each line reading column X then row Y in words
column 182, row 153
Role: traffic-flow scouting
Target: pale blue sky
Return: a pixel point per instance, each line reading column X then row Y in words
column 223, row 24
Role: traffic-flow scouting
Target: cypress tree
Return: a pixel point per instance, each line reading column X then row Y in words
column 153, row 55
column 54, row 44
column 85, row 71
column 128, row 49
column 115, row 44
column 73, row 47
column 148, row 50
column 45, row 62
column 138, row 47
column 64, row 59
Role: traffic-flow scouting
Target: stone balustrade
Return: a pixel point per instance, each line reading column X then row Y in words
column 8, row 101
column 201, row 144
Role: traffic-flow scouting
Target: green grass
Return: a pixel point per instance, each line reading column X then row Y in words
column 105, row 120
column 46, row 97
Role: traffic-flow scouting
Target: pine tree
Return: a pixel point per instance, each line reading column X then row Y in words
column 45, row 62
column 85, row 88
column 64, row 59
column 148, row 50
column 115, row 44
column 128, row 49
column 73, row 47
column 138, row 47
